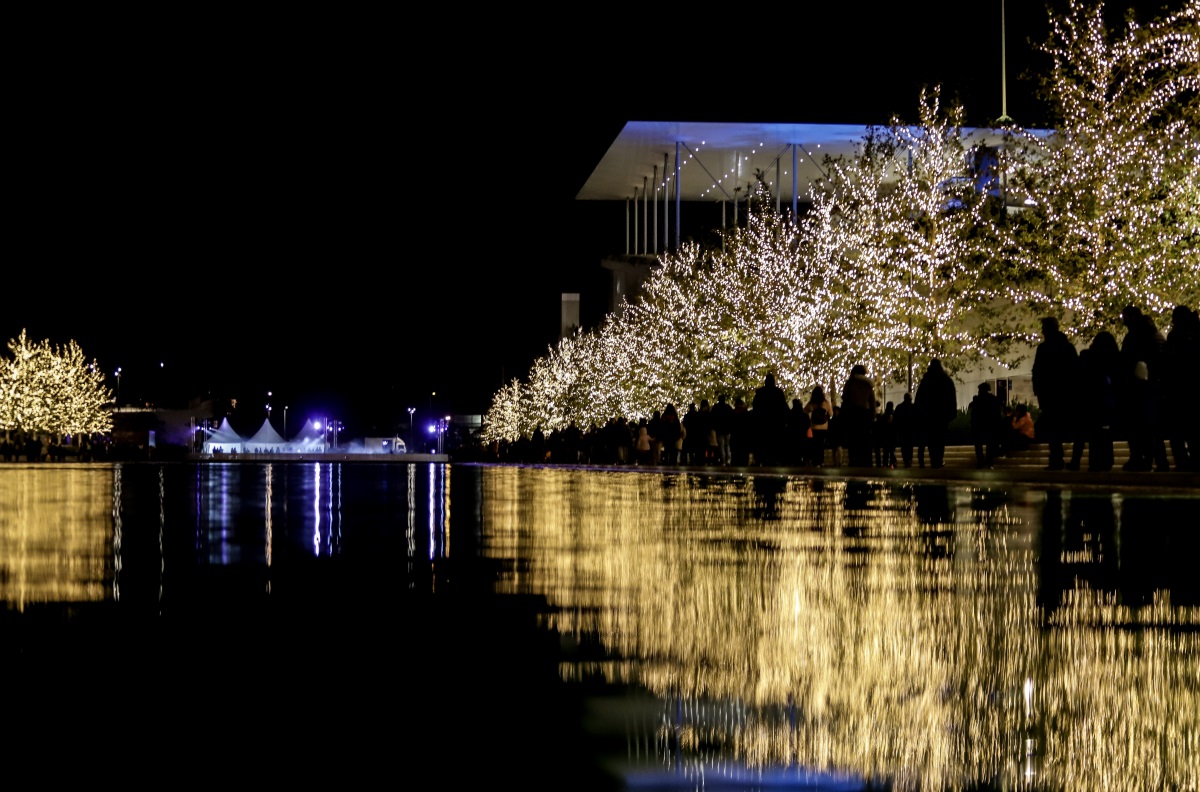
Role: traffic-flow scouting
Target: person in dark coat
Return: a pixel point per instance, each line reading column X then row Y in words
column 904, row 422
column 1141, row 408
column 769, row 412
column 936, row 404
column 986, row 425
column 695, row 436
column 1180, row 384
column 722, row 424
column 1099, row 368
column 654, row 425
column 796, row 452
column 671, row 430
column 1143, row 343
column 1055, row 376
column 820, row 412
column 857, row 416
column 883, row 436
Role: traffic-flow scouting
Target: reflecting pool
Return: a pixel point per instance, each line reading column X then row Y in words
column 673, row 630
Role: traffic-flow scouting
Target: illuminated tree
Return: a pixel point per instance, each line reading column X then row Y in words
column 909, row 250
column 912, row 227
column 52, row 389
column 80, row 398
column 1116, row 188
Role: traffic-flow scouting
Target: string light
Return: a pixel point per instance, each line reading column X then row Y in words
column 52, row 389
column 890, row 266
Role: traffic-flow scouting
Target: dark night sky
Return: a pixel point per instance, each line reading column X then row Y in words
column 324, row 209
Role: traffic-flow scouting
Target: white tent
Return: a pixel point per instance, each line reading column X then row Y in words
column 310, row 439
column 223, row 439
column 266, row 441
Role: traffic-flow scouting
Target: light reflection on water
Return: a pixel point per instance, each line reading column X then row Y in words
column 927, row 636
column 922, row 635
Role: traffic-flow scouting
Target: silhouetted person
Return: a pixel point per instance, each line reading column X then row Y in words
column 1055, row 376
column 1141, row 408
column 654, row 425
column 798, row 430
column 695, row 436
column 883, row 437
column 537, row 446
column 1099, row 370
column 1180, row 385
column 722, row 423
column 672, row 434
column 769, row 412
column 936, row 404
column 986, row 427
column 834, row 436
column 820, row 411
column 857, row 416
column 1143, row 343
column 904, row 421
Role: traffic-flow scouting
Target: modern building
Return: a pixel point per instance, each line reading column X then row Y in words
column 684, row 180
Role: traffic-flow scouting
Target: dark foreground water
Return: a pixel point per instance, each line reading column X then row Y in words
column 422, row 626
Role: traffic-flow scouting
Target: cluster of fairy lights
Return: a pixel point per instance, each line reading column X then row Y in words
column 878, row 272
column 52, row 389
column 1118, row 186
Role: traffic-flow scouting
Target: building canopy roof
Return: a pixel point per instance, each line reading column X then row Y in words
column 717, row 158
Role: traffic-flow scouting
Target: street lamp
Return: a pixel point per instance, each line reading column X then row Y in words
column 285, row 422
column 118, row 386
column 411, row 410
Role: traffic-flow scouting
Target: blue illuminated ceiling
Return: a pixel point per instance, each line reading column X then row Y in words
column 716, row 158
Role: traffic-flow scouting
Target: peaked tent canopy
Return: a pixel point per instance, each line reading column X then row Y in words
column 311, row 437
column 223, row 438
column 266, row 438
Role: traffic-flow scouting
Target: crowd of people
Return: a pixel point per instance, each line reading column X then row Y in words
column 1136, row 391
column 1139, row 391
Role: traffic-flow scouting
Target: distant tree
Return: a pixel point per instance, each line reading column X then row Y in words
column 50, row 389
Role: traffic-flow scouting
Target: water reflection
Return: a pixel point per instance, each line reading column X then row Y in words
column 55, row 541
column 915, row 635
column 923, row 635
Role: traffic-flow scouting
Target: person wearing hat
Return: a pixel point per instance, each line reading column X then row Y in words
column 987, row 415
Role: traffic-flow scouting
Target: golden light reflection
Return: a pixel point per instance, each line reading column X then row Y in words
column 56, row 534
column 892, row 632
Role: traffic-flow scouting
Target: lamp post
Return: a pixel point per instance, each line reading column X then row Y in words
column 118, row 386
column 411, row 410
column 285, row 423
